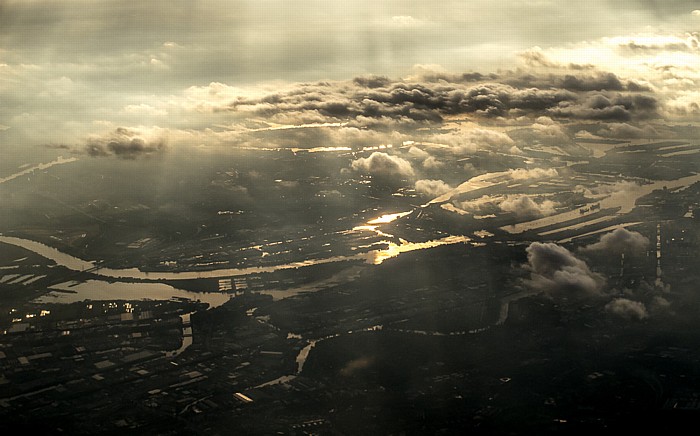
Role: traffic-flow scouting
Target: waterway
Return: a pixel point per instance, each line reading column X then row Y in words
column 374, row 257
column 60, row 160
column 72, row 292
column 624, row 201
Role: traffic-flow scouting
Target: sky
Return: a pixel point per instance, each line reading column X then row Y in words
column 151, row 76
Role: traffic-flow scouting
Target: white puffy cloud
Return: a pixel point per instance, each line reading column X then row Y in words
column 534, row 173
column 620, row 241
column 432, row 163
column 432, row 188
column 524, row 206
column 383, row 164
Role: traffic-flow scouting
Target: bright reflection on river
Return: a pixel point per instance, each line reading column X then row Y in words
column 376, row 257
column 385, row 219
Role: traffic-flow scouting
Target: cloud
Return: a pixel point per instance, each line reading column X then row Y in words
column 600, row 82
column 143, row 109
column 626, row 131
column 465, row 140
column 419, row 153
column 372, row 81
column 555, row 270
column 356, row 365
column 432, row 188
column 432, row 163
column 604, row 107
column 582, row 82
column 200, row 64
column 627, row 309
column 431, row 102
column 406, row 21
column 617, row 188
column 125, row 144
column 534, row 173
column 383, row 164
column 544, row 131
column 620, row 241
column 660, row 305
column 523, row 206
column 696, row 13
column 483, row 206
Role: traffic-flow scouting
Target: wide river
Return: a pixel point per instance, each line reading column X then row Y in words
column 77, row 264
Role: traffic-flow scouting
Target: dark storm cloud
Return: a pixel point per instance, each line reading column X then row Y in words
column 554, row 269
column 378, row 98
column 575, row 83
column 609, row 82
column 605, row 107
column 372, row 81
column 124, row 144
column 620, row 241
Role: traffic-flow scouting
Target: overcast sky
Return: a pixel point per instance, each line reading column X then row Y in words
column 75, row 68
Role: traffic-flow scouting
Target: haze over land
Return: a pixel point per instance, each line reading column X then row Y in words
column 286, row 216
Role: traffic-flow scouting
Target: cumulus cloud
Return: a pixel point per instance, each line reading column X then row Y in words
column 469, row 139
column 626, row 131
column 627, row 309
column 432, row 188
column 432, row 163
column 419, row 153
column 544, row 131
column 598, row 97
column 523, row 206
column 555, row 270
column 372, row 81
column 482, row 206
column 125, row 144
column 383, row 164
column 620, row 241
column 534, row 173
column 605, row 107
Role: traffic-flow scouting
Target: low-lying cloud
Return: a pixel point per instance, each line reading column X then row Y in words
column 125, row 144
column 524, row 206
column 627, row 309
column 432, row 188
column 534, row 173
column 620, row 241
column 555, row 270
column 383, row 164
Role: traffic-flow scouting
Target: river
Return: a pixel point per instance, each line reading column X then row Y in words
column 623, row 200
column 60, row 160
column 76, row 264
